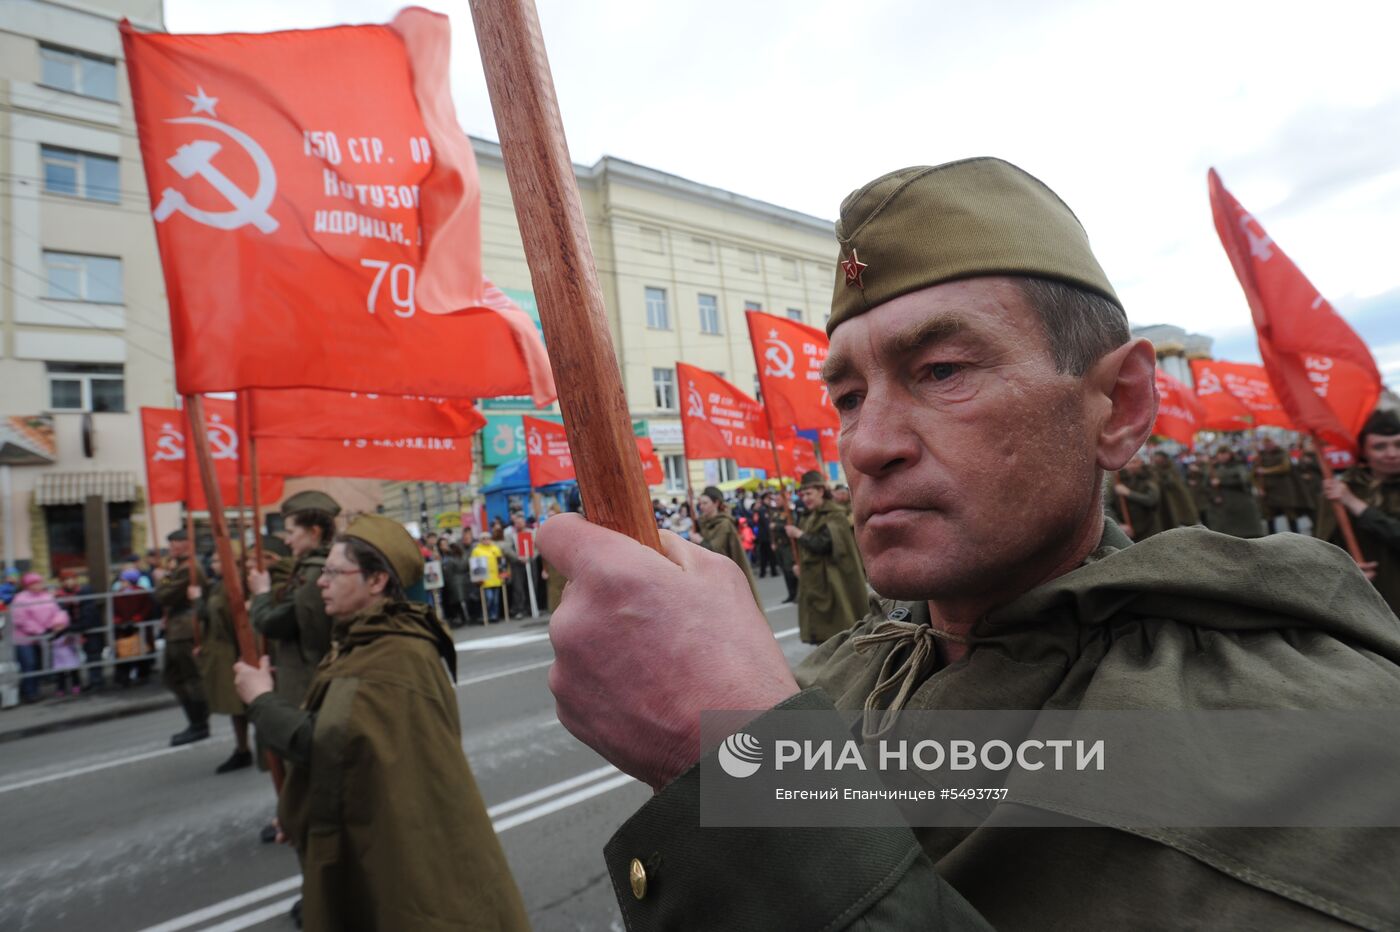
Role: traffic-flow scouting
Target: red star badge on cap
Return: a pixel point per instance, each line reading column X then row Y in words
column 853, row 267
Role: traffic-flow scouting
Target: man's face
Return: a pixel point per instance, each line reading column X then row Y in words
column 344, row 589
column 970, row 459
column 1383, row 454
column 300, row 538
column 812, row 497
column 842, row 496
column 519, row 522
column 180, row 549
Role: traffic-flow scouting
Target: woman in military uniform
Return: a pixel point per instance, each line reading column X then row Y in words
column 831, row 591
column 719, row 532
column 1370, row 492
column 379, row 800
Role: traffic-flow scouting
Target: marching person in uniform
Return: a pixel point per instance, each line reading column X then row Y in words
column 1233, row 508
column 1370, row 492
column 179, row 672
column 1178, row 507
column 831, row 591
column 379, row 800
column 986, row 379
column 218, row 649
column 1283, row 497
column 1144, row 497
column 719, row 532
column 783, row 548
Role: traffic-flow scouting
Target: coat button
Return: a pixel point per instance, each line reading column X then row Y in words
column 638, row 874
column 899, row 614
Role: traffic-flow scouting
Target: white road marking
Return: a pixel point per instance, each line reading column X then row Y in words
column 104, row 765
column 598, row 782
column 503, row 640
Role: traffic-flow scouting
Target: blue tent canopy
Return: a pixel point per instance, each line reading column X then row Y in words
column 510, row 488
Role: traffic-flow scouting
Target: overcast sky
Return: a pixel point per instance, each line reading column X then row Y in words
column 1121, row 107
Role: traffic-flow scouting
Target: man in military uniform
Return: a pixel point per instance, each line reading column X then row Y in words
column 985, row 377
column 717, row 531
column 1370, row 492
column 292, row 617
column 1178, row 507
column 180, row 672
column 783, row 547
column 1283, row 498
column 831, row 592
column 379, row 800
column 1233, row 508
column 1136, row 486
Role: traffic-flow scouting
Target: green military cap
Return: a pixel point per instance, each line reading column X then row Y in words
column 923, row 226
column 713, row 493
column 812, row 478
column 311, row 500
column 393, row 543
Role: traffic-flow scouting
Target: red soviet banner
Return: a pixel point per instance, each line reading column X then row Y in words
column 318, row 413
column 409, row 459
column 720, row 422
column 163, row 434
column 317, row 208
column 1179, row 414
column 547, row 454
column 790, row 357
column 1237, row 396
column 796, row 456
column 1323, row 373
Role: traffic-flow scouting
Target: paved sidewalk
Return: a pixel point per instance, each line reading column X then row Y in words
column 62, row 712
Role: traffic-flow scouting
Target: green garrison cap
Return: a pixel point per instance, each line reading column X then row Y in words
column 393, row 543
column 311, row 500
column 812, row 478
column 922, row 226
column 713, row 493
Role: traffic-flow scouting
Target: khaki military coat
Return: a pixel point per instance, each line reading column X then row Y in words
column 1233, row 508
column 293, row 619
column 720, row 533
column 218, row 650
column 379, row 800
column 831, row 589
column 1377, row 528
column 1277, row 482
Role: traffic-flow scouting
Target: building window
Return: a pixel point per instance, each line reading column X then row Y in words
column 652, row 240
column 709, row 313
column 658, row 317
column 76, row 277
column 704, row 250
column 748, row 260
column 674, row 464
column 80, row 174
column 66, row 526
column 790, row 269
column 663, row 385
column 795, row 313
column 78, row 72
column 86, row 387
column 728, row 470
column 753, row 305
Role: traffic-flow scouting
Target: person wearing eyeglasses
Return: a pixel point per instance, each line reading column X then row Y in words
column 379, row 800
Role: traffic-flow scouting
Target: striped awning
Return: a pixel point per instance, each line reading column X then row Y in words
column 73, row 488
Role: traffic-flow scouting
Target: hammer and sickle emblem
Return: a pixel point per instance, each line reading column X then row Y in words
column 223, row 442
column 170, row 445
column 779, row 359
column 695, row 405
column 535, row 443
column 1209, row 384
column 196, row 158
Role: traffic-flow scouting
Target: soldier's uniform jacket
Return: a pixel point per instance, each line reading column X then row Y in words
column 293, row 618
column 1233, row 508
column 218, row 649
column 1144, row 503
column 1198, row 483
column 172, row 593
column 1178, row 508
column 379, row 800
column 1277, row 481
column 1377, row 528
column 1309, row 473
column 782, row 544
column 720, row 533
column 1187, row 619
column 831, row 590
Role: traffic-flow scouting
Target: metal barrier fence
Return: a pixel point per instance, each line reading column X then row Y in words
column 120, row 648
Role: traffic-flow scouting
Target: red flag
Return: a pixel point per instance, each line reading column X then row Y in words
column 547, row 454
column 796, row 456
column 1323, row 373
column 831, row 451
column 1179, row 414
column 420, row 459
column 1237, row 396
column 327, row 415
column 314, row 201
column 720, row 422
column 163, row 434
column 789, row 356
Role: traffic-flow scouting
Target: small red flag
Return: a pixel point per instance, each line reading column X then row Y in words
column 796, row 456
column 720, row 422
column 1179, row 414
column 163, row 435
column 549, row 460
column 316, row 207
column 1323, row 373
column 1237, row 396
column 790, row 357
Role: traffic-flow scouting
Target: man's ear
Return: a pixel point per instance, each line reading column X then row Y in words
column 1123, row 384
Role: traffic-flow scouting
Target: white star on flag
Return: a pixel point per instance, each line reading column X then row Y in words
column 203, row 103
column 772, row 333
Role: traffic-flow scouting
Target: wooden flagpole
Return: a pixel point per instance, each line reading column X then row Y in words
column 255, row 485
column 562, row 270
column 1338, row 509
column 233, row 586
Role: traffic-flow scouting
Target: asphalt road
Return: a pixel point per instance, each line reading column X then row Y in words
column 106, row 827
